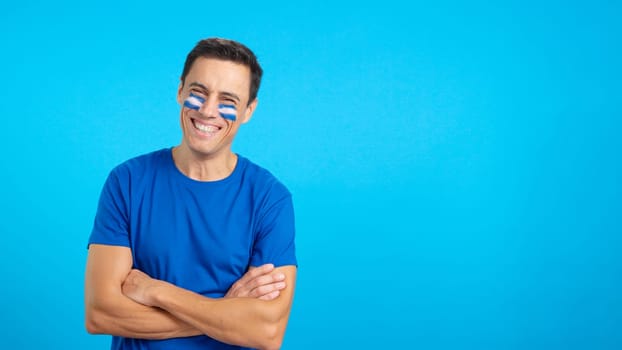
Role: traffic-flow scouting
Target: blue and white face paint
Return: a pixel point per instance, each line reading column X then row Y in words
column 195, row 102
column 227, row 111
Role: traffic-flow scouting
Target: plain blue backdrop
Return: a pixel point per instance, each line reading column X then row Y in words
column 455, row 165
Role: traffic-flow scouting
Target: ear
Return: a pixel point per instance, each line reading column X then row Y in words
column 179, row 89
column 248, row 111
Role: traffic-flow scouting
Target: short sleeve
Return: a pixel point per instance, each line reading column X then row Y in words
column 274, row 241
column 111, row 226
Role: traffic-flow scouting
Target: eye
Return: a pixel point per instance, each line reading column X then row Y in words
column 197, row 92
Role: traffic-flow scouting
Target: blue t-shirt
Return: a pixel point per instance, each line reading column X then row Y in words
column 201, row 236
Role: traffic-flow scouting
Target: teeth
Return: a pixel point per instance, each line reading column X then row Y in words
column 205, row 128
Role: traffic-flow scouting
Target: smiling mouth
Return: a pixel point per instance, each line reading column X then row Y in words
column 205, row 128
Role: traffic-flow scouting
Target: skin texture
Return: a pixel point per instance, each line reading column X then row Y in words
column 116, row 303
column 241, row 321
column 108, row 311
column 126, row 302
column 259, row 282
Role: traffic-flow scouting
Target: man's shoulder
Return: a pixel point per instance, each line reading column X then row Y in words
column 143, row 162
column 262, row 179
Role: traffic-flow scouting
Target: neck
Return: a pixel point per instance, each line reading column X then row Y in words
column 204, row 167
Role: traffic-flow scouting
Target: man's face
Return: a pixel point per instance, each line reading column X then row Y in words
column 216, row 84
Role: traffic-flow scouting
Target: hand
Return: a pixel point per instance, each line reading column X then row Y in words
column 259, row 282
column 137, row 286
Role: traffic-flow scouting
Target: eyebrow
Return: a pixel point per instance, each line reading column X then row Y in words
column 231, row 95
column 224, row 93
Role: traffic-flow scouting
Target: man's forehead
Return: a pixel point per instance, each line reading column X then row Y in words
column 214, row 74
column 224, row 67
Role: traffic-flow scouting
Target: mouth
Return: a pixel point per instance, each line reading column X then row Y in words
column 207, row 129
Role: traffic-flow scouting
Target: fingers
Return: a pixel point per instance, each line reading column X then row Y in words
column 256, row 272
column 243, row 286
column 270, row 296
column 265, row 279
column 267, row 286
column 266, row 289
column 259, row 282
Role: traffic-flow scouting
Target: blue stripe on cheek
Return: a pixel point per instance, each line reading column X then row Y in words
column 227, row 111
column 194, row 102
column 228, row 116
column 191, row 106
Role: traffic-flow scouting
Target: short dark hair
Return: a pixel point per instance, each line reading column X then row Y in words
column 228, row 50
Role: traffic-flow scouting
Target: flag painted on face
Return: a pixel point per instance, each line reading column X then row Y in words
column 227, row 111
column 194, row 102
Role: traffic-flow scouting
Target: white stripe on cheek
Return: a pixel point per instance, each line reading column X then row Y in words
column 227, row 110
column 194, row 101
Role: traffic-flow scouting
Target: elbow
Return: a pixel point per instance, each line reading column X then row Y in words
column 274, row 325
column 273, row 337
column 92, row 327
column 93, row 321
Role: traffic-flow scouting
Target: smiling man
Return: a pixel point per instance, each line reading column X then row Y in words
column 193, row 246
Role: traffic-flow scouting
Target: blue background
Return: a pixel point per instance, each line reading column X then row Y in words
column 455, row 165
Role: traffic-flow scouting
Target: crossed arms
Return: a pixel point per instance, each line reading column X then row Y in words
column 126, row 302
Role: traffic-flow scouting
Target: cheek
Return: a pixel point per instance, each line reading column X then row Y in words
column 181, row 116
column 227, row 111
column 186, row 114
column 184, row 118
column 234, row 128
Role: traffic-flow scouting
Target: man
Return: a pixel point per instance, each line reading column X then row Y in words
column 193, row 246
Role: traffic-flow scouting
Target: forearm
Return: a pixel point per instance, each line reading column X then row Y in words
column 123, row 317
column 109, row 311
column 240, row 321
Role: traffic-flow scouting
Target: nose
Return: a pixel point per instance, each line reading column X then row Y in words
column 209, row 108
